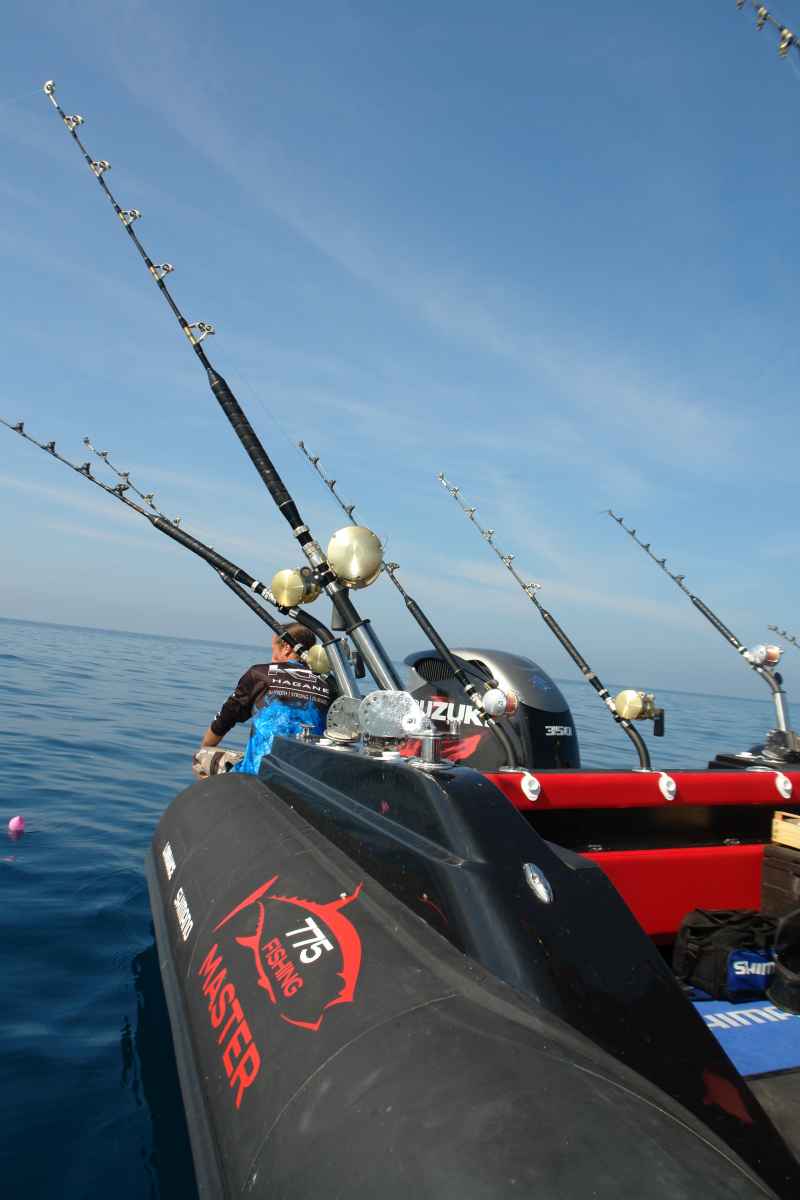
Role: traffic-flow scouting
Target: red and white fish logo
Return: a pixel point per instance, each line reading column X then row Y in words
column 307, row 955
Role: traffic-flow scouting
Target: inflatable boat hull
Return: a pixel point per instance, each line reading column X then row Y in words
column 331, row 1042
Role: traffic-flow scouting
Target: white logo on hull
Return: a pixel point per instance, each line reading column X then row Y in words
column 181, row 905
column 169, row 860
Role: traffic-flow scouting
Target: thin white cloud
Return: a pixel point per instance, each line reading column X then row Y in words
column 590, row 594
column 66, row 498
column 611, row 389
column 100, row 535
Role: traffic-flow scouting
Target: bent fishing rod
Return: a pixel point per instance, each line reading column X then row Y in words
column 356, row 627
column 237, row 579
column 760, row 658
column 494, row 702
column 634, row 705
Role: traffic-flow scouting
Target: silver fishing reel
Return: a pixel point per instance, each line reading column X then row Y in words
column 342, row 724
column 392, row 716
column 497, row 703
column 764, row 656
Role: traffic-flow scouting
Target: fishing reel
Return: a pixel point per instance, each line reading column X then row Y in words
column 381, row 720
column 631, row 705
column 355, row 555
column 497, row 703
column 764, row 656
column 317, row 660
column 293, row 586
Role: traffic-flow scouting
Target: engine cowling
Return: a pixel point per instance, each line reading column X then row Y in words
column 542, row 730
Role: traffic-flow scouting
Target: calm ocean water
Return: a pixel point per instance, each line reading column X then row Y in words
column 98, row 730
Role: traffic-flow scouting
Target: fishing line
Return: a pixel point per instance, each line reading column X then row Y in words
column 197, row 332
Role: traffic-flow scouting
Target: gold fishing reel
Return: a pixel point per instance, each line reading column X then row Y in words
column 316, row 659
column 631, row 705
column 355, row 555
column 293, row 586
column 635, row 706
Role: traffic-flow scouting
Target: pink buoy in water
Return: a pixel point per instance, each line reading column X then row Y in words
column 16, row 825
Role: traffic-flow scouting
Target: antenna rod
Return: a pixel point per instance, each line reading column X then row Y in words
column 552, row 624
column 778, row 694
column 234, row 576
column 427, row 627
column 197, row 331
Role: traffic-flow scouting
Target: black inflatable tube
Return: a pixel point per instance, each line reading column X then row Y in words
column 452, row 848
column 398, row 1066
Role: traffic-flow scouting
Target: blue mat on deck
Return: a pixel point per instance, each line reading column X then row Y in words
column 758, row 1038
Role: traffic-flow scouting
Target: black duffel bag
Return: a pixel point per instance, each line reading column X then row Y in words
column 726, row 953
column 784, row 988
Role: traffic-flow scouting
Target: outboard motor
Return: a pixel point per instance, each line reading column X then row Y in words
column 542, row 730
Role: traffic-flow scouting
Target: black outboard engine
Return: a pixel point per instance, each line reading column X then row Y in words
column 541, row 730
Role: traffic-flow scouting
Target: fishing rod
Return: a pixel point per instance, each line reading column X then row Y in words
column 629, row 705
column 327, row 577
column 148, row 497
column 760, row 658
column 494, row 702
column 326, row 638
column 786, row 38
column 786, row 636
column 322, row 663
column 235, row 577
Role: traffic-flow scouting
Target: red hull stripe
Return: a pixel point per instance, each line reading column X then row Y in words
column 634, row 789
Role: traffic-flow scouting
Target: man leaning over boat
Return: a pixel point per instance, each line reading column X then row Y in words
column 281, row 697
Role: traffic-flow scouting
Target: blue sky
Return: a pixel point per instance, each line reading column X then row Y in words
column 549, row 250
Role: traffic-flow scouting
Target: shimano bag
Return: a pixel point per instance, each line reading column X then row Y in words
column 726, row 953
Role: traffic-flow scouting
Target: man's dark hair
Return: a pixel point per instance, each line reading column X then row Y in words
column 300, row 635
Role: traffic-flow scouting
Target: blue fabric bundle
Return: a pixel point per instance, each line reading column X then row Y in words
column 277, row 718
